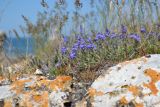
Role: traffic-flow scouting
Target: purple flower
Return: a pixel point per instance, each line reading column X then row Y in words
column 79, row 38
column 100, row 36
column 113, row 35
column 72, row 55
column 123, row 29
column 91, row 46
column 75, row 47
column 82, row 46
column 65, row 39
column 135, row 37
column 89, row 40
column 107, row 32
column 63, row 50
column 143, row 30
column 80, row 41
column 151, row 34
column 122, row 36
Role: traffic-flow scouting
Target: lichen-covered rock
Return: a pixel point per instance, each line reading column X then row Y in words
column 5, row 92
column 35, row 91
column 58, row 98
column 134, row 83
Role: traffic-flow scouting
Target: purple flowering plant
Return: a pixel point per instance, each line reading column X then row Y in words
column 89, row 50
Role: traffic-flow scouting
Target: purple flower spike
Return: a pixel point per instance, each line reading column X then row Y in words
column 113, row 35
column 75, row 47
column 65, row 39
column 107, row 32
column 100, row 36
column 72, row 55
column 63, row 50
column 91, row 46
column 82, row 46
column 123, row 29
column 143, row 30
column 135, row 37
column 89, row 40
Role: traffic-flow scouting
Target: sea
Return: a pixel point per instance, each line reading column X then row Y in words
column 19, row 47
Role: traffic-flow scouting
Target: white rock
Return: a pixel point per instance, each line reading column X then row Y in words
column 130, row 73
column 58, row 98
column 38, row 72
column 5, row 92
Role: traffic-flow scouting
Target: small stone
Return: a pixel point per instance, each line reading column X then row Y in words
column 148, row 56
column 1, row 103
column 38, row 72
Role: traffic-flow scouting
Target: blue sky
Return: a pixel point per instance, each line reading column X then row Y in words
column 11, row 11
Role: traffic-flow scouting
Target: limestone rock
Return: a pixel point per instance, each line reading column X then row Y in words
column 38, row 72
column 5, row 92
column 58, row 98
column 35, row 91
column 132, row 83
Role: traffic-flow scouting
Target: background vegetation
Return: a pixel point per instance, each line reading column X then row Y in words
column 110, row 31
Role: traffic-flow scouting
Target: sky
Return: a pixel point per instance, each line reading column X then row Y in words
column 11, row 12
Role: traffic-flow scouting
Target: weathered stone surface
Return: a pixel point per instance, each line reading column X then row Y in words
column 134, row 83
column 5, row 92
column 58, row 98
column 38, row 72
column 35, row 91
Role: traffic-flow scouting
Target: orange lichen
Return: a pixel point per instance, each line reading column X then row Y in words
column 43, row 82
column 41, row 99
column 8, row 103
column 152, row 87
column 37, row 98
column 93, row 92
column 61, row 82
column 155, row 77
column 134, row 90
column 139, row 105
column 34, row 97
column 123, row 101
column 26, row 101
column 1, row 78
column 18, row 86
column 45, row 100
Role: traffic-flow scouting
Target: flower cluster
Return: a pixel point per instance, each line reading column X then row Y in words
column 90, row 43
column 85, row 48
column 136, row 37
